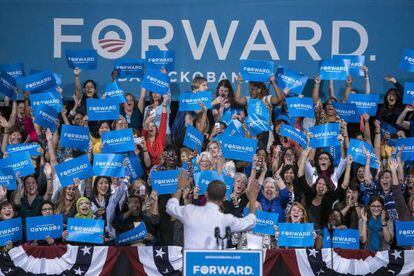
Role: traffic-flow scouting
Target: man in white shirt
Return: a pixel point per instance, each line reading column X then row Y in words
column 200, row 222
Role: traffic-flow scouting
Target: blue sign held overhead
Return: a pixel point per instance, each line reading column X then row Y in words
column 190, row 101
column 296, row 234
column 407, row 61
column 32, row 148
column 256, row 124
column 241, row 149
column 325, row 135
column 408, row 151
column 118, row 141
column 82, row 59
column 38, row 228
column 49, row 98
column 203, row 178
column 333, row 69
column 256, row 106
column 355, row 149
column 223, row 262
column 15, row 70
column 347, row 112
column 294, row 134
column 265, row 222
column 8, row 178
column 255, row 70
column 355, row 63
column 130, row 68
column 8, row 85
column 165, row 182
column 156, row 81
column 39, row 82
column 193, row 138
column 235, row 128
column 160, row 59
column 300, row 107
column 408, row 97
column 74, row 168
column 20, row 162
column 85, row 230
column 102, row 109
column 108, row 164
column 11, row 230
column 76, row 137
column 47, row 117
column 387, row 129
column 133, row 166
column 132, row 236
column 365, row 103
column 291, row 80
column 114, row 92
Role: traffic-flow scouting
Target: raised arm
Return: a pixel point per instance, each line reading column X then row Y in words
column 367, row 83
column 49, row 176
column 78, row 88
column 202, row 127
column 315, row 91
column 237, row 97
column 377, row 139
column 347, row 175
column 141, row 100
column 279, row 96
column 331, row 89
column 367, row 129
column 400, row 121
column 348, row 88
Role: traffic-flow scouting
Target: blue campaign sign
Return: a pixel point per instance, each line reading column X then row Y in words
column 387, row 129
column 38, row 228
column 229, row 182
column 256, row 70
column 189, row 101
column 355, row 149
column 325, row 135
column 407, row 61
column 165, row 182
column 408, row 97
column 76, row 137
column 39, row 82
column 15, row 70
column 115, row 93
column 256, row 124
column 355, row 63
column 85, row 230
column 8, row 178
column 32, row 148
column 102, row 109
column 347, row 112
column 193, row 138
column 49, row 98
column 405, row 233
column 300, row 107
column 130, row 68
column 294, row 134
column 291, row 80
column 228, row 115
column 108, row 164
column 73, row 168
column 47, row 117
column 156, row 81
column 118, row 141
column 408, row 152
column 296, row 234
column 8, row 85
column 203, row 178
column 333, row 69
column 10, row 230
column 235, row 128
column 133, row 167
column 133, row 235
column 82, row 59
column 222, row 262
column 265, row 222
column 160, row 59
column 365, row 103
column 241, row 149
column 257, row 106
column 346, row 239
column 20, row 162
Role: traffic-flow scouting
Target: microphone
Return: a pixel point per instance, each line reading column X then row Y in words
column 217, row 235
column 330, row 228
column 228, row 237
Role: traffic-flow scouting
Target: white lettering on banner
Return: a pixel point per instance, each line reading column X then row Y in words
column 85, row 229
column 346, row 111
column 168, row 181
column 42, row 228
column 6, row 177
column 22, row 148
column 157, row 81
column 38, row 83
column 9, row 231
column 74, row 170
column 117, row 140
column 406, row 232
column 364, row 104
column 15, row 73
column 344, row 239
column 257, row 70
column 81, row 59
column 333, row 69
column 238, row 148
column 74, row 136
column 295, row 234
column 410, row 92
column 48, row 117
column 194, row 138
column 289, row 80
column 7, row 84
column 46, row 102
column 325, row 134
column 301, row 106
column 223, row 270
column 160, row 60
column 194, row 101
column 109, row 164
column 129, row 67
column 133, row 237
column 19, row 164
column 130, row 168
column 106, row 108
column 359, row 151
column 409, row 59
column 222, row 49
column 265, row 221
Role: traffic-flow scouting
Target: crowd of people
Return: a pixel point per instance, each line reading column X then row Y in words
column 299, row 184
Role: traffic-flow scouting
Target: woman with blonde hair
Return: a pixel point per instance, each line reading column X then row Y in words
column 66, row 203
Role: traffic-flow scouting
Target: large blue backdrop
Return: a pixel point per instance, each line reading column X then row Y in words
column 209, row 37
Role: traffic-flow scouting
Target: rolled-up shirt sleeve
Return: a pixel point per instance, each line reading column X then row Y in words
column 174, row 209
column 242, row 224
